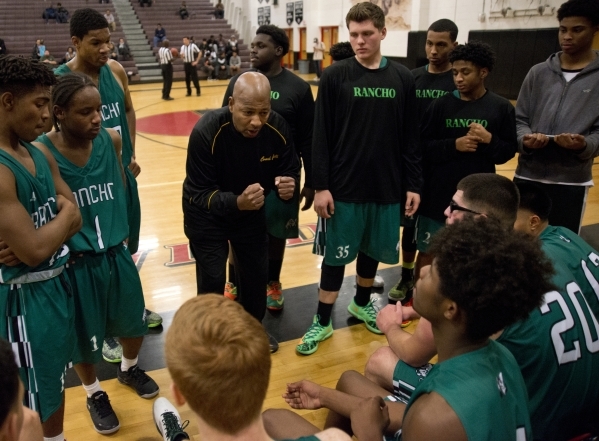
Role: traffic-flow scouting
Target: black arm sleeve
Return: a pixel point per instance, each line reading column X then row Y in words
column 434, row 150
column 504, row 143
column 303, row 135
column 324, row 125
column 201, row 181
column 412, row 156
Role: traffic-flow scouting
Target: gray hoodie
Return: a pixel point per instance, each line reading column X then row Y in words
column 548, row 104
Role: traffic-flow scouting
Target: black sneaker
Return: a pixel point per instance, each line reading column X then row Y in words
column 103, row 417
column 138, row 380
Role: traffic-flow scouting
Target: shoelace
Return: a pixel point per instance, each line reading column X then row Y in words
column 314, row 329
column 138, row 375
column 171, row 425
column 111, row 342
column 102, row 405
column 370, row 311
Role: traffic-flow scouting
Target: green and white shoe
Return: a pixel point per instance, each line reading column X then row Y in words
column 315, row 334
column 112, row 351
column 365, row 313
column 153, row 319
column 401, row 290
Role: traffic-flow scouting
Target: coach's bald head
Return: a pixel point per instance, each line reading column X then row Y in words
column 250, row 103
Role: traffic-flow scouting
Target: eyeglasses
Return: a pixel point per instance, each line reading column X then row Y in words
column 453, row 206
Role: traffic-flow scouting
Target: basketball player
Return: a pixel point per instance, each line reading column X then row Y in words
column 563, row 390
column 557, row 115
column 463, row 317
column 291, row 97
column 91, row 38
column 433, row 81
column 237, row 155
column 360, row 170
column 39, row 214
column 17, row 422
column 225, row 395
column 465, row 132
column 106, row 286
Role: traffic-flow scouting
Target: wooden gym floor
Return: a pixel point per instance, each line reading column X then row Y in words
column 168, row 276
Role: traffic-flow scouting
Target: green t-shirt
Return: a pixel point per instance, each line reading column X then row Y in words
column 99, row 190
column 38, row 196
column 557, row 347
column 113, row 107
column 486, row 391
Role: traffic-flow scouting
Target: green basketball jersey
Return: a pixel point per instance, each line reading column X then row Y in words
column 557, row 347
column 113, row 107
column 100, row 193
column 38, row 196
column 486, row 391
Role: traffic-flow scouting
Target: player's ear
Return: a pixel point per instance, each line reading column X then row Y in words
column 231, row 102
column 8, row 100
column 450, row 309
column 177, row 395
column 534, row 221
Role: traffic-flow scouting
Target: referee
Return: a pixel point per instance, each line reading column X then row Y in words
column 191, row 57
column 166, row 58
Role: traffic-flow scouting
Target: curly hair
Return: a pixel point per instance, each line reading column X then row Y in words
column 21, row 76
column 9, row 380
column 476, row 52
column 580, row 8
column 534, row 199
column 495, row 277
column 341, row 51
column 85, row 20
column 492, row 194
column 66, row 88
column 445, row 25
column 365, row 11
column 277, row 34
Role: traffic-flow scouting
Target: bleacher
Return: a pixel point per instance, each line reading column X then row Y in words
column 201, row 24
column 21, row 25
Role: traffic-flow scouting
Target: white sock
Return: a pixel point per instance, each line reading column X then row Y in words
column 93, row 388
column 55, row 438
column 127, row 363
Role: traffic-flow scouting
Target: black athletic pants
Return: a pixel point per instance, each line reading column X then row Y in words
column 568, row 202
column 251, row 269
column 167, row 79
column 191, row 74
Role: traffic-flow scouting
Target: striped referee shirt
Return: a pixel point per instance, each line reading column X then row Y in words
column 189, row 52
column 165, row 55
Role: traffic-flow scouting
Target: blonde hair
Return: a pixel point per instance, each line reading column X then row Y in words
column 219, row 357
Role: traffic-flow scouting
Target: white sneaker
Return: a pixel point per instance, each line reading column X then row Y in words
column 168, row 421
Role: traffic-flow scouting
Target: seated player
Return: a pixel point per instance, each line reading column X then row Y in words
column 557, row 347
column 38, row 214
column 106, row 285
column 480, row 194
column 465, row 132
column 17, row 422
column 507, row 275
column 222, row 375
